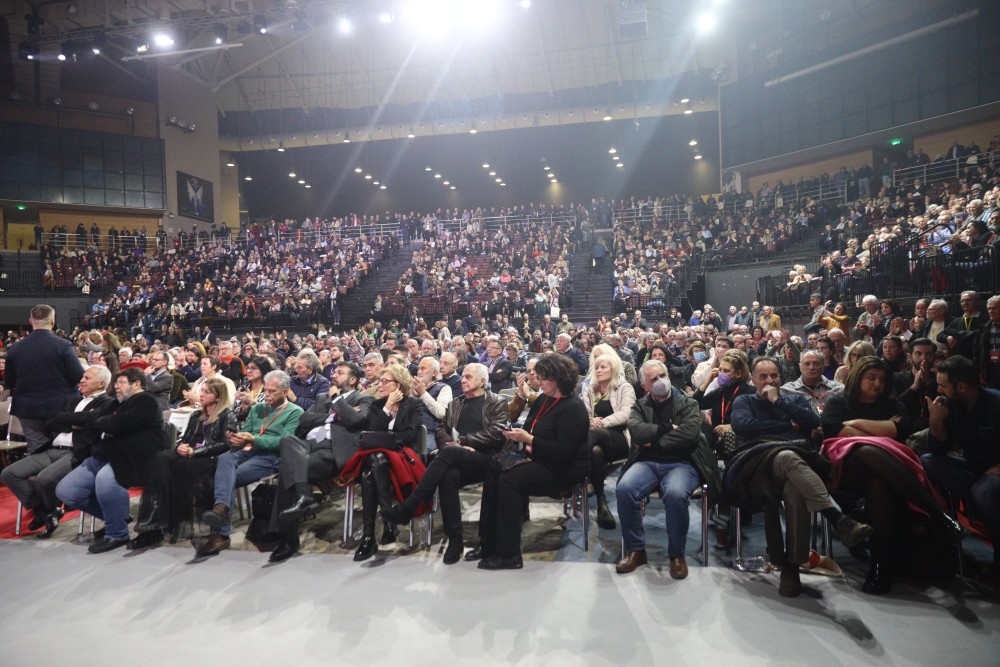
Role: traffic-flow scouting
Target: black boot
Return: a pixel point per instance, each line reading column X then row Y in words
column 369, row 508
column 605, row 519
column 453, row 552
column 155, row 519
column 385, row 493
column 879, row 581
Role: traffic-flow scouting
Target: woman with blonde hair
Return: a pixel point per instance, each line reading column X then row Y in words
column 608, row 398
column 859, row 350
column 185, row 472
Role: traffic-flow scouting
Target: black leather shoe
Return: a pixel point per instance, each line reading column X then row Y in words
column 51, row 523
column 38, row 519
column 302, row 506
column 367, row 548
column 396, row 514
column 148, row 538
column 476, row 553
column 453, row 552
column 287, row 547
column 501, row 562
column 390, row 532
column 106, row 545
column 879, row 581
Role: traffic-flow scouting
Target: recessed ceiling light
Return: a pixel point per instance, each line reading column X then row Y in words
column 427, row 168
column 381, row 187
column 473, row 131
column 291, row 174
column 308, row 185
column 453, row 187
column 302, row 181
column 612, row 150
column 619, row 164
column 248, row 177
column 546, row 167
column 486, row 165
column 447, row 182
column 493, row 173
column 693, row 142
column 697, row 156
column 499, row 180
column 368, row 177
column 358, row 170
column 685, row 100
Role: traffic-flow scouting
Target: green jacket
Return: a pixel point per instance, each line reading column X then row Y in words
column 275, row 425
column 682, row 440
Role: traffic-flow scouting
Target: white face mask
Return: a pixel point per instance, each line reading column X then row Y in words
column 661, row 389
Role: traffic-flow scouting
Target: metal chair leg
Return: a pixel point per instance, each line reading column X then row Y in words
column 738, row 536
column 17, row 522
column 348, row 516
column 704, row 525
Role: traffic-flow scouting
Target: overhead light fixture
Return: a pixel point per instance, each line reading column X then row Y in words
column 525, row 4
column 308, row 185
column 259, row 25
column 554, row 180
column 453, row 187
column 546, row 167
column 344, row 26
column 616, row 158
column 473, row 131
column 619, row 164
column 230, row 162
column 281, row 146
column 493, row 173
column 499, row 180
column 503, row 185
column 612, row 150
column 437, row 175
column 375, row 182
column 57, row 101
column 706, row 23
column 685, row 100
column 688, row 111
column 142, row 47
column 385, row 18
column 347, row 138
column 607, row 115
column 447, row 182
column 248, row 177
column 697, row 156
column 693, row 142
column 411, row 134
column 61, row 56
column 368, row 177
column 291, row 174
column 358, row 170
column 221, row 33
column 28, row 50
column 302, row 181
column 130, row 111
column 382, row 187
column 163, row 40
column 100, row 44
column 486, row 165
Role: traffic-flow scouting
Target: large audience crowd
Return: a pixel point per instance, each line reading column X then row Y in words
column 869, row 421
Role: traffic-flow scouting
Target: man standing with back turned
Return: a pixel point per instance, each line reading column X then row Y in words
column 42, row 374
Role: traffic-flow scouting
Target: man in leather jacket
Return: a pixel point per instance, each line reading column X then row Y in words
column 470, row 437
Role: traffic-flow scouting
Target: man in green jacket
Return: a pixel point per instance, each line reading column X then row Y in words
column 665, row 427
column 254, row 456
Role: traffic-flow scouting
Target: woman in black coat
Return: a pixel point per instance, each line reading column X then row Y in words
column 176, row 476
column 554, row 439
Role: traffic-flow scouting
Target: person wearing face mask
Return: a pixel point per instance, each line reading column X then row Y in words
column 668, row 455
column 732, row 379
column 696, row 354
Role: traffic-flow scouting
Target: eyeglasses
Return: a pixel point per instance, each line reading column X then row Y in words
column 385, row 380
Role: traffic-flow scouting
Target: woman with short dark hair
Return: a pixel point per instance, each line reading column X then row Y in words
column 556, row 457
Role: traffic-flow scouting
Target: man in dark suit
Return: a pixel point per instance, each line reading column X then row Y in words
column 326, row 438
column 42, row 373
column 159, row 379
column 33, row 479
column 960, row 334
column 132, row 434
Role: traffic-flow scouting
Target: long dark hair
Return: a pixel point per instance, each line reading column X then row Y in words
column 852, row 384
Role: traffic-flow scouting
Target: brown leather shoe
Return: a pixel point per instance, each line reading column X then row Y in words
column 217, row 517
column 631, row 561
column 212, row 545
column 678, row 568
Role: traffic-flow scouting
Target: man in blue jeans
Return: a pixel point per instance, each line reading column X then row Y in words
column 665, row 426
column 255, row 456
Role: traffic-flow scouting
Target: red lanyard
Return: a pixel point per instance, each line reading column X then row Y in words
column 277, row 414
column 542, row 412
column 732, row 398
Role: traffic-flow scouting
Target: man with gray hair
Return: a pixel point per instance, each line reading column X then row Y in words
column 33, row 479
column 254, row 455
column 812, row 384
column 988, row 345
column 564, row 347
column 434, row 395
column 867, row 320
column 470, row 438
column 308, row 382
column 42, row 374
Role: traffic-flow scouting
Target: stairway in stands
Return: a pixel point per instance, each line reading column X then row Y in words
column 591, row 292
column 356, row 307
